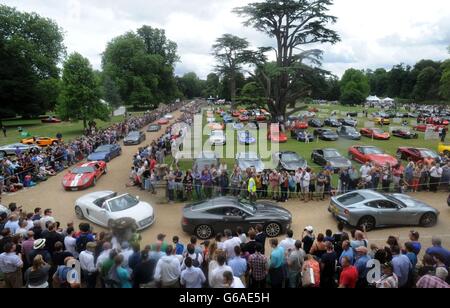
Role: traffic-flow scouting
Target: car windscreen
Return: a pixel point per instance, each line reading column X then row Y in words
column 428, row 153
column 81, row 170
column 350, row 130
column 248, row 206
column 331, row 153
column 122, row 203
column 104, row 148
column 370, row 151
column 290, row 157
column 217, row 133
column 351, row 198
column 133, row 135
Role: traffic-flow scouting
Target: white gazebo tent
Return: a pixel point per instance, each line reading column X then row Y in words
column 388, row 100
column 373, row 100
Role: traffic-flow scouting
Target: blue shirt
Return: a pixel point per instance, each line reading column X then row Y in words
column 12, row 226
column 134, row 260
column 238, row 265
column 361, row 266
column 277, row 257
column 402, row 267
column 438, row 250
column 417, row 247
column 124, row 278
column 179, row 249
column 347, row 253
column 412, row 258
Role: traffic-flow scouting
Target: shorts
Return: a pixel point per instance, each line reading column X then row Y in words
column 305, row 189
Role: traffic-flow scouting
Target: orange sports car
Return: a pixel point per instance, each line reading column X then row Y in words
column 40, row 141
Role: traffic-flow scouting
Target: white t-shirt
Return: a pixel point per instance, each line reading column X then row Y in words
column 365, row 171
column 237, row 283
column 229, row 245
column 306, row 179
column 71, row 243
column 288, row 243
column 216, row 276
column 436, row 172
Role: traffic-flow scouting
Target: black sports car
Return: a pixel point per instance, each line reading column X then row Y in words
column 302, row 135
column 324, row 156
column 134, row 138
column 315, row 123
column 348, row 132
column 206, row 218
column 289, row 161
column 349, row 122
column 153, row 128
column 405, row 134
column 352, row 114
column 326, row 134
column 332, row 122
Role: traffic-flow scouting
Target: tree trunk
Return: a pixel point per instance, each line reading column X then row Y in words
column 233, row 88
column 84, row 122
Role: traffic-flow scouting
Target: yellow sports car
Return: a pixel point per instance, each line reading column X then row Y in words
column 383, row 121
column 40, row 141
column 444, row 148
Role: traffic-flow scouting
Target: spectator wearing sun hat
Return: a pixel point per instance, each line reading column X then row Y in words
column 39, row 249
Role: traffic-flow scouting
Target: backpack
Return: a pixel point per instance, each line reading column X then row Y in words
column 81, row 243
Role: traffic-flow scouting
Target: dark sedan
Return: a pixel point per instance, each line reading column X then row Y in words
column 289, row 161
column 206, row 218
column 153, row 128
column 315, row 123
column 349, row 122
column 332, row 157
column 348, row 132
column 326, row 134
column 134, row 138
column 405, row 134
column 302, row 135
column 332, row 122
column 105, row 153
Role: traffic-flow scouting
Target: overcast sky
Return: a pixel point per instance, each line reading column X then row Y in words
column 375, row 33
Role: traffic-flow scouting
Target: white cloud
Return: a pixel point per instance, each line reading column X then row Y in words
column 375, row 33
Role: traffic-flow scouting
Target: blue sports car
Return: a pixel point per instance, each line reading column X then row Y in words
column 105, row 153
column 228, row 118
column 245, row 137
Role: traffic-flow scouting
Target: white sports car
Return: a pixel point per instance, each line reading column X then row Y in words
column 168, row 116
column 105, row 207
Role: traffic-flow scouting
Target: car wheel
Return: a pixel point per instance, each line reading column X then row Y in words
column 368, row 222
column 204, row 232
column 428, row 220
column 79, row 212
column 273, row 229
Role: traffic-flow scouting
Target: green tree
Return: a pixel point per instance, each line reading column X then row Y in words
column 30, row 49
column 378, row 81
column 295, row 25
column 444, row 85
column 253, row 94
column 354, row 87
column 231, row 52
column 426, row 87
column 190, row 85
column 80, row 93
column 212, row 85
column 111, row 93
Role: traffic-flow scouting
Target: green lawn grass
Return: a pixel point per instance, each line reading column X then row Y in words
column 69, row 130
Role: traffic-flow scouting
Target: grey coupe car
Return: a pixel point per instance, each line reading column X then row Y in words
column 324, row 156
column 206, row 218
column 373, row 210
column 134, row 138
column 153, row 128
column 248, row 160
column 289, row 161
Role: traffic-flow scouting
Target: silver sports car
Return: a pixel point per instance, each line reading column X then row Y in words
column 372, row 210
column 10, row 149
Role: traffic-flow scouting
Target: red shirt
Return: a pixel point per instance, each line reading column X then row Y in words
column 152, row 164
column 349, row 276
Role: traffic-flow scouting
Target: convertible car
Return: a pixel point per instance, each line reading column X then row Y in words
column 405, row 134
column 374, row 155
column 245, row 137
column 11, row 149
column 51, row 120
column 105, row 153
column 416, row 154
column 348, row 132
column 369, row 209
column 40, row 141
column 326, row 134
column 153, row 128
column 322, row 157
column 107, row 208
column 289, row 161
column 302, row 135
column 375, row 133
column 134, row 138
column 249, row 160
column 84, row 175
column 206, row 218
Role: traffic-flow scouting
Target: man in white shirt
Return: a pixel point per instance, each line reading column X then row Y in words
column 47, row 218
column 231, row 281
column 168, row 270
column 192, row 277
column 305, row 181
column 230, row 243
column 435, row 177
column 89, row 271
column 365, row 170
column 216, row 276
column 70, row 242
column 104, row 255
column 288, row 243
column 126, row 252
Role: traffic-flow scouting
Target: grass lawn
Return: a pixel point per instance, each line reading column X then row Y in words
column 305, row 150
column 69, row 130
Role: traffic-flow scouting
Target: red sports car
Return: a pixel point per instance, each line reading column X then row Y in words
column 437, row 121
column 416, row 154
column 235, row 113
column 375, row 133
column 275, row 135
column 163, row 121
column 243, row 118
column 363, row 154
column 84, row 175
column 51, row 120
column 424, row 127
column 300, row 125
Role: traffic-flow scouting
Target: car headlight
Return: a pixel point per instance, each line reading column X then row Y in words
column 86, row 180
